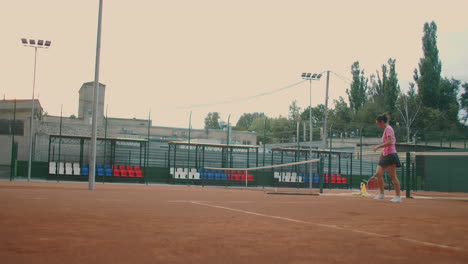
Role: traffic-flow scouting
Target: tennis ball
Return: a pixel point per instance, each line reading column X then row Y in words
column 363, row 195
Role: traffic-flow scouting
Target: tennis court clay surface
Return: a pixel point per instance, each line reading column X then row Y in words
column 65, row 223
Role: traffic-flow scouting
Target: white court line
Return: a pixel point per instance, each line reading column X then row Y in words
column 333, row 227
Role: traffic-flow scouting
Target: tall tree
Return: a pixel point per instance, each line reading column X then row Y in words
column 448, row 101
column 428, row 79
column 246, row 120
column 212, row 120
column 341, row 117
column 358, row 91
column 386, row 88
column 294, row 112
column 464, row 102
column 408, row 107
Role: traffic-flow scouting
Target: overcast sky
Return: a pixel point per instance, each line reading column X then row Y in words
column 167, row 55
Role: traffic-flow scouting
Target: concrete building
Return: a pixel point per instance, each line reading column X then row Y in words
column 80, row 125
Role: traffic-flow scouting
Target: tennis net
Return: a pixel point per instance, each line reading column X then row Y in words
column 282, row 178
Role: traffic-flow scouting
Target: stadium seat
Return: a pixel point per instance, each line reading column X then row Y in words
column 121, row 167
column 136, row 168
column 100, row 170
column 129, row 168
column 131, row 173
column 139, row 174
column 276, row 175
column 108, row 171
column 171, row 171
column 76, row 169
column 84, row 169
column 344, row 180
column 61, row 168
column 116, row 173
column 123, row 173
column 52, row 167
column 211, row 176
column 250, row 177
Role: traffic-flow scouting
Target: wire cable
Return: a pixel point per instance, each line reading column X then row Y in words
column 240, row 99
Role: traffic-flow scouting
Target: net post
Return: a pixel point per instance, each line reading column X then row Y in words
column 408, row 171
column 320, row 174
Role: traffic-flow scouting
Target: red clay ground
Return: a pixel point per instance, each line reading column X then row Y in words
column 65, row 223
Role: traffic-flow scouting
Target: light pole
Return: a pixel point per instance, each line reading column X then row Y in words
column 310, row 77
column 92, row 158
column 33, row 44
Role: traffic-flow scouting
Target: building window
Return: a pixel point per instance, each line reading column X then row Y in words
column 8, row 127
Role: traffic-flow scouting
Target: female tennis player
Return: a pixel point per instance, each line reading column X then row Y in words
column 388, row 159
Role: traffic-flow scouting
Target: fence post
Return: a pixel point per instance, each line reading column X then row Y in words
column 408, row 171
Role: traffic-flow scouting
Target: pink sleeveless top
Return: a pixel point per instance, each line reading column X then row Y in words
column 388, row 132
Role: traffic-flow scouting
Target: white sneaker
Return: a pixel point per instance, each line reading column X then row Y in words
column 396, row 199
column 379, row 196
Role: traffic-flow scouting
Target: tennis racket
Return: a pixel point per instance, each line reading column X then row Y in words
column 372, row 185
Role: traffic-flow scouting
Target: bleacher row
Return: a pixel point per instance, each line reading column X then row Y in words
column 204, row 174
column 69, row 168
column 301, row 177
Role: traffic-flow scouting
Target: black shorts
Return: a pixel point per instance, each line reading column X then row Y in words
column 390, row 159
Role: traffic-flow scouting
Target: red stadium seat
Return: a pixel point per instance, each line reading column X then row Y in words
column 131, row 173
column 129, row 167
column 250, row 177
column 137, row 168
column 121, row 167
column 123, row 173
column 116, row 173
column 344, row 180
column 139, row 174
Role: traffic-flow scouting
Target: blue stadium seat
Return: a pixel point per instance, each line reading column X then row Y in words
column 108, row 172
column 211, row 176
column 100, row 171
column 316, row 178
column 84, row 171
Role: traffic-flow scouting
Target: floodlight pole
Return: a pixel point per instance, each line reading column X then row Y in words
column 325, row 119
column 310, row 77
column 92, row 163
column 311, row 132
column 33, row 44
column 31, row 127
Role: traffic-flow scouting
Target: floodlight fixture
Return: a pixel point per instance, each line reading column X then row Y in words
column 32, row 42
column 40, row 42
column 24, row 41
column 311, row 76
column 48, row 43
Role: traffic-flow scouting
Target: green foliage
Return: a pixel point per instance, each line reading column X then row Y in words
column 448, row 101
column 357, row 93
column 246, row 120
column 212, row 120
column 317, row 114
column 385, row 89
column 294, row 112
column 341, row 117
column 464, row 102
column 430, row 67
